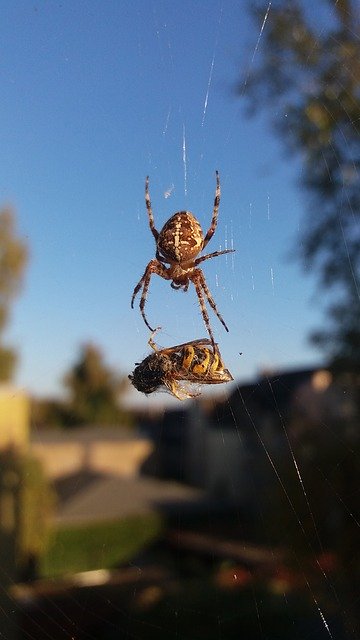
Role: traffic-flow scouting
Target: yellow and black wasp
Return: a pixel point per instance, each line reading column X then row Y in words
column 197, row 362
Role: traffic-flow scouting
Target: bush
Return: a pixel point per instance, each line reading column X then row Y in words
column 23, row 485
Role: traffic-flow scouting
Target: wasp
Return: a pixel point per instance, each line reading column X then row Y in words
column 197, row 362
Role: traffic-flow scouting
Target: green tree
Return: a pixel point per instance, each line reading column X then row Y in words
column 95, row 390
column 307, row 76
column 13, row 260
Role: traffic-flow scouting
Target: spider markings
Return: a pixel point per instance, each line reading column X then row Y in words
column 179, row 242
column 181, row 238
column 192, row 362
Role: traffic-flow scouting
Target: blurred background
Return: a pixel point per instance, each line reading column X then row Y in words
column 123, row 515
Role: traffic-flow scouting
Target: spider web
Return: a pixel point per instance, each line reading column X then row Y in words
column 320, row 577
column 247, row 585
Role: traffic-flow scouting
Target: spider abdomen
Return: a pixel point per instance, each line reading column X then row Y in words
column 181, row 238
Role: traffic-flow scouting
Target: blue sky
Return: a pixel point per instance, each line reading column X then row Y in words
column 95, row 96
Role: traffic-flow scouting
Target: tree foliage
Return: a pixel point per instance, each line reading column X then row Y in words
column 13, row 260
column 308, row 78
column 94, row 389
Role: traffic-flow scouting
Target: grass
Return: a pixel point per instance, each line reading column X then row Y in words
column 98, row 545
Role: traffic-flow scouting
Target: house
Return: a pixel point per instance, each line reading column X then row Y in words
column 231, row 448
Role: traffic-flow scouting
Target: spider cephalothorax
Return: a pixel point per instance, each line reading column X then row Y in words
column 179, row 242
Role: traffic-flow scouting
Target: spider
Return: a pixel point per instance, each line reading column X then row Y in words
column 179, row 242
column 190, row 363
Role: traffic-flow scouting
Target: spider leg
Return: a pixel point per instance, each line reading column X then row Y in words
column 199, row 290
column 160, row 258
column 153, row 267
column 213, row 255
column 200, row 285
column 212, row 228
column 151, row 342
column 149, row 210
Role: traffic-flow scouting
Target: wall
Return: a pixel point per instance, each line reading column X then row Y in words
column 101, row 450
column 14, row 418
